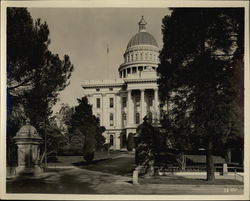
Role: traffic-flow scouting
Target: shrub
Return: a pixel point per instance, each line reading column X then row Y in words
column 89, row 156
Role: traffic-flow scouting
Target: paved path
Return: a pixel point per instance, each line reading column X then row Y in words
column 111, row 176
column 82, row 181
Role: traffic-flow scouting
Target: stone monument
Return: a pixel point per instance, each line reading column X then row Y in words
column 28, row 141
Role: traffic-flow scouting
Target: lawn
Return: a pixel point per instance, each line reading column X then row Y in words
column 71, row 160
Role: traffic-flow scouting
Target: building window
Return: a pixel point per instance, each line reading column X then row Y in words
column 124, row 101
column 124, row 140
column 111, row 119
column 137, row 118
column 124, row 73
column 110, row 89
column 134, row 70
column 111, row 140
column 124, row 118
column 129, row 70
column 97, row 89
column 137, row 101
column 111, row 102
column 98, row 103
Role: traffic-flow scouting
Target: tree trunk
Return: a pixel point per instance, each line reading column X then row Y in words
column 210, row 163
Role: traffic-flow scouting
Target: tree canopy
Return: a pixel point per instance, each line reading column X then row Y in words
column 86, row 126
column 201, row 74
column 35, row 75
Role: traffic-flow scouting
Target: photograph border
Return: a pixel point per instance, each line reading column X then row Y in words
column 125, row 4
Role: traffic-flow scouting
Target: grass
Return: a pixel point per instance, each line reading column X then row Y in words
column 71, row 160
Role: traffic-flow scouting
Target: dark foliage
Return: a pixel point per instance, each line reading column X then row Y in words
column 85, row 128
column 89, row 156
column 201, row 78
column 34, row 74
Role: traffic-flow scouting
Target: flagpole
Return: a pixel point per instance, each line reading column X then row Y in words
column 107, row 61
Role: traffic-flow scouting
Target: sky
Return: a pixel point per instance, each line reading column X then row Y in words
column 85, row 33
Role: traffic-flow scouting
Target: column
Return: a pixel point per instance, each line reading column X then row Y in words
column 143, row 105
column 104, row 114
column 130, row 116
column 118, row 112
column 156, row 105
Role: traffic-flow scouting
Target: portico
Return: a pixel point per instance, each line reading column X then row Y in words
column 147, row 105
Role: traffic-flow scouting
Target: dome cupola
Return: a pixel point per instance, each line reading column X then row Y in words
column 141, row 53
column 142, row 37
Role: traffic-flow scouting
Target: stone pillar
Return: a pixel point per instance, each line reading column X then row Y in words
column 225, row 169
column 143, row 105
column 104, row 114
column 156, row 105
column 28, row 141
column 130, row 118
column 135, row 176
column 118, row 115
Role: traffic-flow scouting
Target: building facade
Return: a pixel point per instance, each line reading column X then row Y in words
column 121, row 104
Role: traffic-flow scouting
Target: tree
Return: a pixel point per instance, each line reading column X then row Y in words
column 198, row 76
column 146, row 146
column 88, row 128
column 35, row 75
column 63, row 118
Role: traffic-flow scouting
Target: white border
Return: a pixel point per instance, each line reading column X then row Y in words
column 123, row 3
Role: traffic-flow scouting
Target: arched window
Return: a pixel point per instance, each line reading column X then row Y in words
column 136, row 57
column 146, row 56
column 111, row 119
column 141, row 56
column 111, row 140
column 137, row 118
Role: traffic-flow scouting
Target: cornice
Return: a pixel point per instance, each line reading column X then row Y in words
column 140, row 80
column 104, row 85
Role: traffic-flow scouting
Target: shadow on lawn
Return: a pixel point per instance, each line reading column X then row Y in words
column 85, row 163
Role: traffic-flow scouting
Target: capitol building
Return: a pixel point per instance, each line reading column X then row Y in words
column 121, row 104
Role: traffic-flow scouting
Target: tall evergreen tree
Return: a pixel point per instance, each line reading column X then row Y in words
column 199, row 77
column 86, row 127
column 35, row 75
